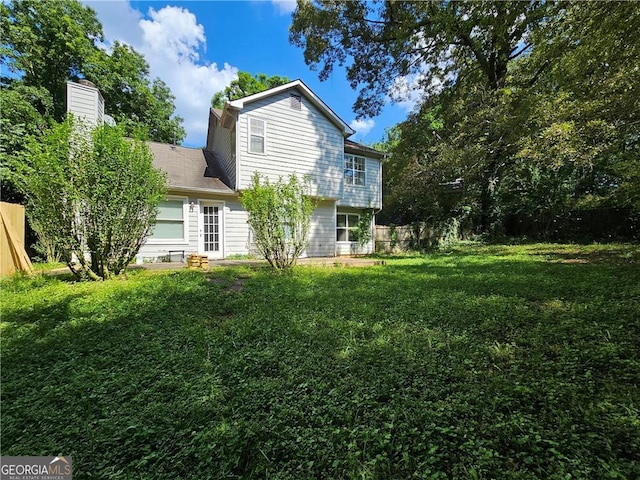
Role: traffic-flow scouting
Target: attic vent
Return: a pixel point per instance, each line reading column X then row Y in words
column 295, row 102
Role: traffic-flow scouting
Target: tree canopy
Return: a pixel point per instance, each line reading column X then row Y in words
column 437, row 42
column 533, row 105
column 246, row 84
column 46, row 44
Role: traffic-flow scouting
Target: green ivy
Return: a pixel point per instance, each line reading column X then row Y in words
column 363, row 229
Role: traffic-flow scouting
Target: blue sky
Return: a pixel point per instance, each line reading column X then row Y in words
column 197, row 48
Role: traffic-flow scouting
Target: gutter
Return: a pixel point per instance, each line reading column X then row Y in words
column 179, row 188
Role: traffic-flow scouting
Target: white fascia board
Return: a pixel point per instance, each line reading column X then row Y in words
column 229, row 115
column 186, row 189
column 323, row 107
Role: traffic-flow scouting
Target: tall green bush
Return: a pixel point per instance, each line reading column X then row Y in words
column 91, row 193
column 280, row 217
column 364, row 228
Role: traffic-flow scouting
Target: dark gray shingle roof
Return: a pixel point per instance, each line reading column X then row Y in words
column 352, row 147
column 190, row 168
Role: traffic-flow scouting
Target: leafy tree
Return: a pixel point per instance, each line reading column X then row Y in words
column 458, row 53
column 440, row 42
column 24, row 111
column 533, row 104
column 280, row 217
column 46, row 44
column 585, row 114
column 245, row 85
column 93, row 196
column 131, row 98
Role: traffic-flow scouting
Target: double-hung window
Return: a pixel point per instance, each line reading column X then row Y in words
column 346, row 227
column 257, row 135
column 354, row 170
column 171, row 221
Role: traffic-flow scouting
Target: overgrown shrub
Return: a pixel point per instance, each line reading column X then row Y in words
column 92, row 195
column 279, row 216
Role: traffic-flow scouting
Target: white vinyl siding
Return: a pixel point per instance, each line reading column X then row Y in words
column 322, row 231
column 304, row 142
column 85, row 103
column 233, row 220
column 171, row 222
column 236, row 229
column 354, row 170
column 257, row 135
column 224, row 146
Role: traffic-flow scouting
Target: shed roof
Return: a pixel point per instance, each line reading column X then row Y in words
column 190, row 168
column 353, row 147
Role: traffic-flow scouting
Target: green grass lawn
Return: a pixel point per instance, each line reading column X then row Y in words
column 480, row 362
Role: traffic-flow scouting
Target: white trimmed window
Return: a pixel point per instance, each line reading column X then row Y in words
column 171, row 221
column 346, row 225
column 354, row 170
column 257, row 135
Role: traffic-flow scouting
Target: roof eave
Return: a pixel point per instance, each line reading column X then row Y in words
column 359, row 149
column 211, row 191
column 229, row 114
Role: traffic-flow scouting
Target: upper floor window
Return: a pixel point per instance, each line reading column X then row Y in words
column 257, row 135
column 354, row 170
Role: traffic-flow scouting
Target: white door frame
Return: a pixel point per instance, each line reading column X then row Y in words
column 221, row 238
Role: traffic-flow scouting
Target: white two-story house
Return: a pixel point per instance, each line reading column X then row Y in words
column 282, row 131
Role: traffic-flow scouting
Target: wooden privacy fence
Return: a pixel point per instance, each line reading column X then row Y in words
column 406, row 237
column 13, row 255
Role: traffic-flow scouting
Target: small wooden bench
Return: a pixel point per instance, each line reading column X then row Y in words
column 181, row 252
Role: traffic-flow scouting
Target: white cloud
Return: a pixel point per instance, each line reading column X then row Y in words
column 171, row 40
column 175, row 32
column 409, row 91
column 285, row 7
column 362, row 126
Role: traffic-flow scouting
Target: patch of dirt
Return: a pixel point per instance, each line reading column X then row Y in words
column 573, row 260
column 601, row 257
column 235, row 286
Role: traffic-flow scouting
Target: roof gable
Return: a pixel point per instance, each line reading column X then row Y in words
column 306, row 91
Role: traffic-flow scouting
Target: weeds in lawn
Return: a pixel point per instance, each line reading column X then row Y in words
column 495, row 362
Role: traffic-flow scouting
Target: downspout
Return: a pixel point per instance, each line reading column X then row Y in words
column 237, row 185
